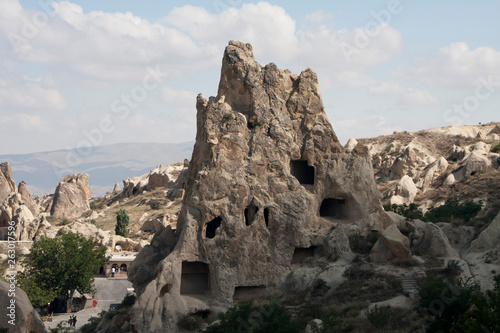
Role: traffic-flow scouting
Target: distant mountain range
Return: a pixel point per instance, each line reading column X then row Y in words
column 106, row 165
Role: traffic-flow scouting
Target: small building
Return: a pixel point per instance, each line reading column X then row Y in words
column 121, row 263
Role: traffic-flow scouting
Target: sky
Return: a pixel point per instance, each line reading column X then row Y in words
column 75, row 74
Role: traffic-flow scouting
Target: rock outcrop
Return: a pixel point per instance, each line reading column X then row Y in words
column 268, row 187
column 71, row 198
column 7, row 184
column 161, row 176
column 434, row 160
column 25, row 318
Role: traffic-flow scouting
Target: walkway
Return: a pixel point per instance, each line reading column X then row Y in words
column 109, row 291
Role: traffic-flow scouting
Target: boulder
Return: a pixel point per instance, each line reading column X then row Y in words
column 26, row 319
column 434, row 244
column 71, row 198
column 406, row 190
column 489, row 238
column 391, row 244
column 267, row 182
column 116, row 189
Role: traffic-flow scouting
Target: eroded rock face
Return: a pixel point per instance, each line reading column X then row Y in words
column 161, row 176
column 7, row 184
column 268, row 187
column 71, row 197
column 27, row 320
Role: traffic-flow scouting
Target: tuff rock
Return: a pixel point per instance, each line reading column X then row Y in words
column 267, row 187
column 71, row 197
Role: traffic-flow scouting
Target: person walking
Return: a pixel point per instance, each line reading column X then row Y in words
column 74, row 321
column 70, row 321
column 112, row 272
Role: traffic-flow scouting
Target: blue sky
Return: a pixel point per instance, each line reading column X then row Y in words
column 82, row 73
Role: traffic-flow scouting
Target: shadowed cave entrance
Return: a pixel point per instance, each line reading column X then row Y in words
column 195, row 278
column 334, row 208
column 212, row 226
column 302, row 171
column 302, row 254
column 245, row 293
column 250, row 213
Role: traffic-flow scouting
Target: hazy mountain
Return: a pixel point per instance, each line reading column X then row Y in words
column 106, row 165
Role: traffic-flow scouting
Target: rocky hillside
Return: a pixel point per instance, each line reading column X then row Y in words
column 429, row 166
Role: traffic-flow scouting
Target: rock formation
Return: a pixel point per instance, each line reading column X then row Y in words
column 7, row 184
column 433, row 160
column 71, row 197
column 268, row 186
column 161, row 176
column 116, row 189
column 26, row 319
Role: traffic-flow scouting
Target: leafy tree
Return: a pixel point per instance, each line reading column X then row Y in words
column 38, row 293
column 484, row 314
column 446, row 300
column 64, row 264
column 122, row 221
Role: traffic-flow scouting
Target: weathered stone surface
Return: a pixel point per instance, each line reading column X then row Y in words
column 28, row 200
column 7, row 184
column 434, row 244
column 267, row 181
column 488, row 238
column 116, row 189
column 71, row 197
column 161, row 176
column 396, row 244
column 26, row 319
column 405, row 191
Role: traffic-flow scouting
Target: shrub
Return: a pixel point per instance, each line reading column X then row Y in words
column 128, row 301
column 410, row 212
column 154, row 204
column 363, row 244
column 229, row 116
column 65, row 221
column 332, row 323
column 452, row 268
column 190, row 322
column 91, row 325
column 379, row 316
column 496, row 149
column 453, row 211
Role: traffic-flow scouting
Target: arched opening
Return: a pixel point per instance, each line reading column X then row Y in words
column 212, row 226
column 302, row 171
column 333, row 208
column 165, row 289
column 266, row 216
column 250, row 213
column 123, row 268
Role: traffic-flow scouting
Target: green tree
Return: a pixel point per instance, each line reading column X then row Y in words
column 122, row 221
column 483, row 315
column 64, row 264
column 38, row 293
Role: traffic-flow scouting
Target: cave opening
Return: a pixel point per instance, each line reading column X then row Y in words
column 195, row 278
column 250, row 213
column 333, row 208
column 302, row 171
column 212, row 226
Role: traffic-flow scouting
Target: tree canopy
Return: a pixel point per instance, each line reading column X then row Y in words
column 122, row 221
column 64, row 264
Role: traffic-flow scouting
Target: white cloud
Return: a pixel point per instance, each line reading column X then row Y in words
column 419, row 98
column 31, row 96
column 454, row 66
column 387, row 89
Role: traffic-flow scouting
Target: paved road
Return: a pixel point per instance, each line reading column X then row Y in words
column 109, row 291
